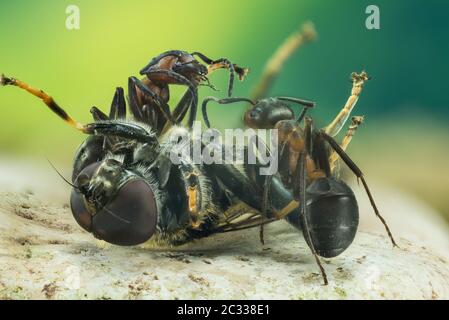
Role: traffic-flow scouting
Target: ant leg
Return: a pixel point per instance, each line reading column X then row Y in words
column 308, row 134
column 224, row 63
column 266, row 194
column 317, row 149
column 284, row 162
column 146, row 111
column 261, row 234
column 348, row 161
column 182, row 107
column 355, row 123
column 149, row 113
column 133, row 101
column 276, row 62
column 48, row 100
column 358, row 80
column 180, row 110
column 134, row 82
column 305, row 103
column 180, row 79
column 265, row 204
column 220, row 101
column 301, row 173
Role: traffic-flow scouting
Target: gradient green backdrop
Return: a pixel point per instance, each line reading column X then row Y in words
column 406, row 101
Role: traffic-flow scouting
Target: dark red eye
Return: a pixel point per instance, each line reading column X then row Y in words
column 252, row 118
column 128, row 219
column 254, row 114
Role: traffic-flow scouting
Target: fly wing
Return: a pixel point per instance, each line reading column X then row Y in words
column 241, row 216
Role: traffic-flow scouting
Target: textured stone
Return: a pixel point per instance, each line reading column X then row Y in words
column 45, row 255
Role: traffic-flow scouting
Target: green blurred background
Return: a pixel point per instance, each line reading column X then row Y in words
column 404, row 140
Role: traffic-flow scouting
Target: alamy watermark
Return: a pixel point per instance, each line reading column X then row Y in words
column 72, row 279
column 72, row 21
column 372, row 22
column 236, row 146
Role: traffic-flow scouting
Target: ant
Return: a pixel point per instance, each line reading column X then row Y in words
column 328, row 211
column 148, row 98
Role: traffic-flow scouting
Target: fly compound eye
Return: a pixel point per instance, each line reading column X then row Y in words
column 127, row 218
column 130, row 217
column 79, row 210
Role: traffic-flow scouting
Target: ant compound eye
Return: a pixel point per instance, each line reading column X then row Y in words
column 130, row 217
column 254, row 114
column 252, row 118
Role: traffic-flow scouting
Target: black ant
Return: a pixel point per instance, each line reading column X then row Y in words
column 328, row 210
column 148, row 98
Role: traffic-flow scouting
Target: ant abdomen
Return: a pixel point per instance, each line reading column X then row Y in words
column 332, row 215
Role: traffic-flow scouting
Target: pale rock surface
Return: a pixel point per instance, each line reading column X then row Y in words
column 44, row 254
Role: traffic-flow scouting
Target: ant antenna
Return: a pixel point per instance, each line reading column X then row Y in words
column 303, row 114
column 208, row 84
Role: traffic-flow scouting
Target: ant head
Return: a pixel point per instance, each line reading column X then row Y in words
column 191, row 69
column 113, row 203
column 266, row 113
